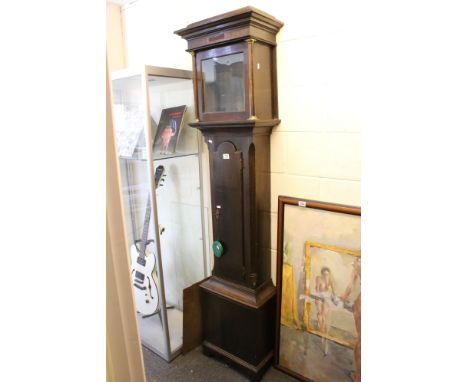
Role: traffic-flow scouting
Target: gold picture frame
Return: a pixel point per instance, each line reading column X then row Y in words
column 308, row 306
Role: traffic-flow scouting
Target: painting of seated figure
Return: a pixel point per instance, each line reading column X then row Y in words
column 320, row 307
column 332, row 287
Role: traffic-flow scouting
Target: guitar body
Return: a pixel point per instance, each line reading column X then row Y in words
column 143, row 262
column 144, row 284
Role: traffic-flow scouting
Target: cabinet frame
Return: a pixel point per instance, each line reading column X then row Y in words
column 168, row 353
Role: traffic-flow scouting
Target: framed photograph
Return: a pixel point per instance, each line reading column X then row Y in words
column 318, row 320
column 168, row 130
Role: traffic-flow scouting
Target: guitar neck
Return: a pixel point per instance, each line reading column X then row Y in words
column 144, row 235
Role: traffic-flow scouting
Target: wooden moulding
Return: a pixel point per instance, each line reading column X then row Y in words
column 253, row 298
column 243, row 23
column 255, row 372
column 257, row 126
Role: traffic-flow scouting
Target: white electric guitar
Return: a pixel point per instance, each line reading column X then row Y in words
column 143, row 264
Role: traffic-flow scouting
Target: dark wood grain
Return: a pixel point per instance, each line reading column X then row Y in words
column 192, row 320
column 248, row 211
column 243, row 23
column 242, row 332
column 239, row 299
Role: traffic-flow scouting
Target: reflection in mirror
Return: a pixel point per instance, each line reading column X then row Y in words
column 223, row 84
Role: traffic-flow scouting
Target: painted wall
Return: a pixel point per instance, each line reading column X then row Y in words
column 315, row 151
column 116, row 50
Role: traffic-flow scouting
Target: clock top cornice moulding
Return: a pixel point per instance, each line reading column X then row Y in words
column 244, row 23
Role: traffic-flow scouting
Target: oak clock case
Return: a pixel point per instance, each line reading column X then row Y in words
column 173, row 214
column 234, row 65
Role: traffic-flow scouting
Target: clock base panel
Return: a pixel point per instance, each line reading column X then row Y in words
column 242, row 335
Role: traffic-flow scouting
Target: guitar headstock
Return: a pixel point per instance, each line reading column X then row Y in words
column 159, row 176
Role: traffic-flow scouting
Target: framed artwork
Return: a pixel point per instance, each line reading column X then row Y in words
column 168, row 130
column 318, row 320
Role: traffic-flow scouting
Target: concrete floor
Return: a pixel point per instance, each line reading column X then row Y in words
column 197, row 367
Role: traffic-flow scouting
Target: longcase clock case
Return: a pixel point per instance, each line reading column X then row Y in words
column 234, row 65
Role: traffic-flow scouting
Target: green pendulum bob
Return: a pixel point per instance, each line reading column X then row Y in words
column 218, row 249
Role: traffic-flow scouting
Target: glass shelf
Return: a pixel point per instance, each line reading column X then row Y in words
column 162, row 156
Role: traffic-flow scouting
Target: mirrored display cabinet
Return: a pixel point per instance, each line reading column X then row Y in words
column 161, row 185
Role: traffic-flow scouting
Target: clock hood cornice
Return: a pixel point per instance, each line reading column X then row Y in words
column 243, row 23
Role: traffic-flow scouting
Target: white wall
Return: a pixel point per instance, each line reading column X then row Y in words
column 315, row 151
column 116, row 52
